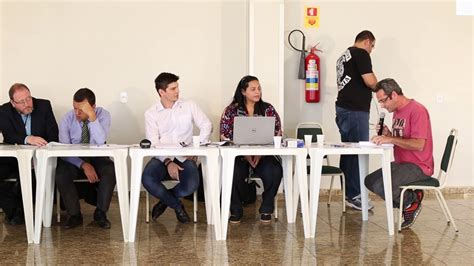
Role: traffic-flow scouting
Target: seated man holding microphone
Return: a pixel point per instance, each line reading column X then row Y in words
column 170, row 121
column 413, row 148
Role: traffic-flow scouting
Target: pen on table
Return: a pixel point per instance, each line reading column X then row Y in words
column 338, row 145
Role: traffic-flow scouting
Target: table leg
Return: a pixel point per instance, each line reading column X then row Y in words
column 287, row 165
column 49, row 191
column 136, row 174
column 213, row 191
column 207, row 179
column 302, row 178
column 363, row 171
column 24, row 165
column 296, row 192
column 315, row 183
column 120, row 164
column 227, row 179
column 387, row 186
column 40, row 194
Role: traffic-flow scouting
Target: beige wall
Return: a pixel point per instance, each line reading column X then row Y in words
column 120, row 46
column 423, row 45
column 113, row 47
column 266, row 51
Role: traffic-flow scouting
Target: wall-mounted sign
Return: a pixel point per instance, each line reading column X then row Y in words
column 311, row 17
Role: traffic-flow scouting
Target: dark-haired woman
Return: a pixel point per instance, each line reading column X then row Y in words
column 248, row 102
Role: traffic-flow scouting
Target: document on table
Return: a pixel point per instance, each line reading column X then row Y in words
column 167, row 146
column 107, row 146
column 371, row 144
column 217, row 143
column 54, row 143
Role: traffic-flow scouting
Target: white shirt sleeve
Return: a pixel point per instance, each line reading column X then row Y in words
column 201, row 121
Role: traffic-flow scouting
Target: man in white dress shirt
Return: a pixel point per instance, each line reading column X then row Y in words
column 170, row 122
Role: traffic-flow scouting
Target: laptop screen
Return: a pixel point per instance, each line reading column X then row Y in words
column 253, row 130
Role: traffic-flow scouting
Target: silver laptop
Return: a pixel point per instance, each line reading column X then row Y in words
column 253, row 130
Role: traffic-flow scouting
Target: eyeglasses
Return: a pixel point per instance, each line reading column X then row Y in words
column 24, row 101
column 385, row 99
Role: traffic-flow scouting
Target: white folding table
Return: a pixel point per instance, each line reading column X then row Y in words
column 210, row 159
column 47, row 156
column 24, row 154
column 287, row 154
column 317, row 154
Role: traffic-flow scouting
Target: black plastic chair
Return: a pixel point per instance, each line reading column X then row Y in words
column 436, row 183
column 314, row 129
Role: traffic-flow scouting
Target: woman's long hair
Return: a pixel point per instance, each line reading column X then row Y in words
column 239, row 98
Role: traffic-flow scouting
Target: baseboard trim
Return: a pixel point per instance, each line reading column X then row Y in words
column 468, row 192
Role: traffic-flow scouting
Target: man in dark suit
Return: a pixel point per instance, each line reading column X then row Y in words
column 24, row 120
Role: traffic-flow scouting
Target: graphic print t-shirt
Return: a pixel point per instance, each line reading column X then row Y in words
column 413, row 122
column 353, row 93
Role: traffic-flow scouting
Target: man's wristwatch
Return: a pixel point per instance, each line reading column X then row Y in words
column 167, row 161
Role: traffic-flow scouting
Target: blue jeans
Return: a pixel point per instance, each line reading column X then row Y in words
column 353, row 127
column 155, row 172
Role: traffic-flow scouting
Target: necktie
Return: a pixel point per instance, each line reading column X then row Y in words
column 85, row 136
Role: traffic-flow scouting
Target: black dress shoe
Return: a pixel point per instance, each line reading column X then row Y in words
column 73, row 221
column 158, row 210
column 101, row 219
column 235, row 217
column 17, row 218
column 181, row 215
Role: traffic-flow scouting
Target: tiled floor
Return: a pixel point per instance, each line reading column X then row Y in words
column 340, row 239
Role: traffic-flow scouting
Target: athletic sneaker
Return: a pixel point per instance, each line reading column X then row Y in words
column 265, row 218
column 419, row 194
column 412, row 211
column 356, row 203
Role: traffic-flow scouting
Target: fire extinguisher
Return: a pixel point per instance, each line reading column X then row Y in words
column 313, row 74
column 309, row 69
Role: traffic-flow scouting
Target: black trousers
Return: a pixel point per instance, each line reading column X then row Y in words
column 10, row 192
column 66, row 173
column 269, row 170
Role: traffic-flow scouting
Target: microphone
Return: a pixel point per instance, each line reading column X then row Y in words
column 145, row 144
column 382, row 116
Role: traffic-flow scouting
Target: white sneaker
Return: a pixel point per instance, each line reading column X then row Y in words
column 356, row 203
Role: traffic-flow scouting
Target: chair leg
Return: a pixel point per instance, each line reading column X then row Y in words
column 195, row 205
column 343, row 186
column 276, row 207
column 330, row 191
column 147, row 204
column 442, row 207
column 447, row 209
column 58, row 207
column 400, row 210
